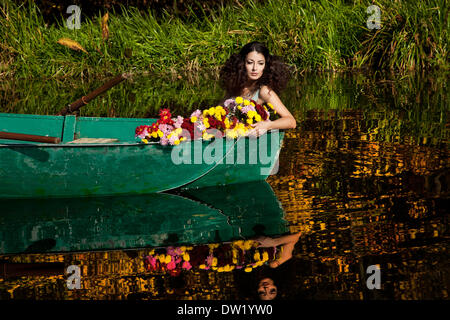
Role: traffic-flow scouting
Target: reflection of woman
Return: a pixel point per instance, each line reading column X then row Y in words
column 287, row 242
column 267, row 288
column 255, row 74
column 265, row 283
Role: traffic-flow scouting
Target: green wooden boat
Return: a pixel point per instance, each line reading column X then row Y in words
column 101, row 156
column 139, row 221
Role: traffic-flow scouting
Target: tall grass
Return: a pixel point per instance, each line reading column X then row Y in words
column 310, row 35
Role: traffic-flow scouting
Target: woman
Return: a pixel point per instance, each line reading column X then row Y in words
column 277, row 279
column 255, row 74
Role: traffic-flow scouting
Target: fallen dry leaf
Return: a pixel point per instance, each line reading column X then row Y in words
column 71, row 44
column 105, row 29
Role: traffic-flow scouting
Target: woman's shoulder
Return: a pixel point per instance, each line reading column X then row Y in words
column 265, row 92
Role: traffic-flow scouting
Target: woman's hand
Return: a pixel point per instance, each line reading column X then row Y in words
column 265, row 242
column 260, row 128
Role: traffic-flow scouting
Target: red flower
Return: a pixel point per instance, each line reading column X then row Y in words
column 141, row 129
column 165, row 112
column 165, row 116
column 215, row 124
column 154, row 127
column 189, row 126
column 261, row 111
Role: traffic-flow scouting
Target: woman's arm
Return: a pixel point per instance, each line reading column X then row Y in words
column 288, row 243
column 285, row 255
column 287, row 120
column 273, row 242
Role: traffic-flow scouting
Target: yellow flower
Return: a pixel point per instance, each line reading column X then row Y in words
column 176, row 142
column 160, row 133
column 257, row 256
column 239, row 100
column 220, row 269
column 212, row 110
column 202, row 266
column 248, row 244
column 239, row 243
column 258, row 264
column 214, row 262
column 206, row 122
column 228, row 268
column 154, row 134
column 248, row 269
column 232, row 134
column 251, row 114
column 194, row 119
column 168, row 258
column 161, row 258
column 207, row 136
column 241, row 131
column 144, row 140
column 265, row 256
column 252, row 103
column 239, row 107
column 246, row 102
column 258, row 118
column 186, row 257
column 250, row 121
column 270, row 105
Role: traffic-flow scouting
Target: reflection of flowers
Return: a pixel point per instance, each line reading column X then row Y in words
column 233, row 120
column 215, row 257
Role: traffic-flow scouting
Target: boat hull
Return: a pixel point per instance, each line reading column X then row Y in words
column 124, row 166
column 50, row 171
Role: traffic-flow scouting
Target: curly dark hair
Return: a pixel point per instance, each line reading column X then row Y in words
column 233, row 74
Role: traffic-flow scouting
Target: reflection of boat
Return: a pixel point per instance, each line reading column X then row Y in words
column 253, row 207
column 105, row 159
column 160, row 219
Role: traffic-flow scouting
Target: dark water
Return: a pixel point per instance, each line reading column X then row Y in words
column 364, row 176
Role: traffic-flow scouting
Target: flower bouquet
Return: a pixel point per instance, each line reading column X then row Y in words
column 216, row 257
column 232, row 120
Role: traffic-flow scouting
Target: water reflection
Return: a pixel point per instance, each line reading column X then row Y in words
column 365, row 177
column 210, row 214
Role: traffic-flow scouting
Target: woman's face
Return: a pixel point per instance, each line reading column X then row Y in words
column 255, row 63
column 266, row 289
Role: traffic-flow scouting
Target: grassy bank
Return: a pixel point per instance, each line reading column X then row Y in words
column 310, row 35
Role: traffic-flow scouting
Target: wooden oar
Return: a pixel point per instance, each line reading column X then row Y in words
column 69, row 109
column 85, row 99
column 29, row 137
